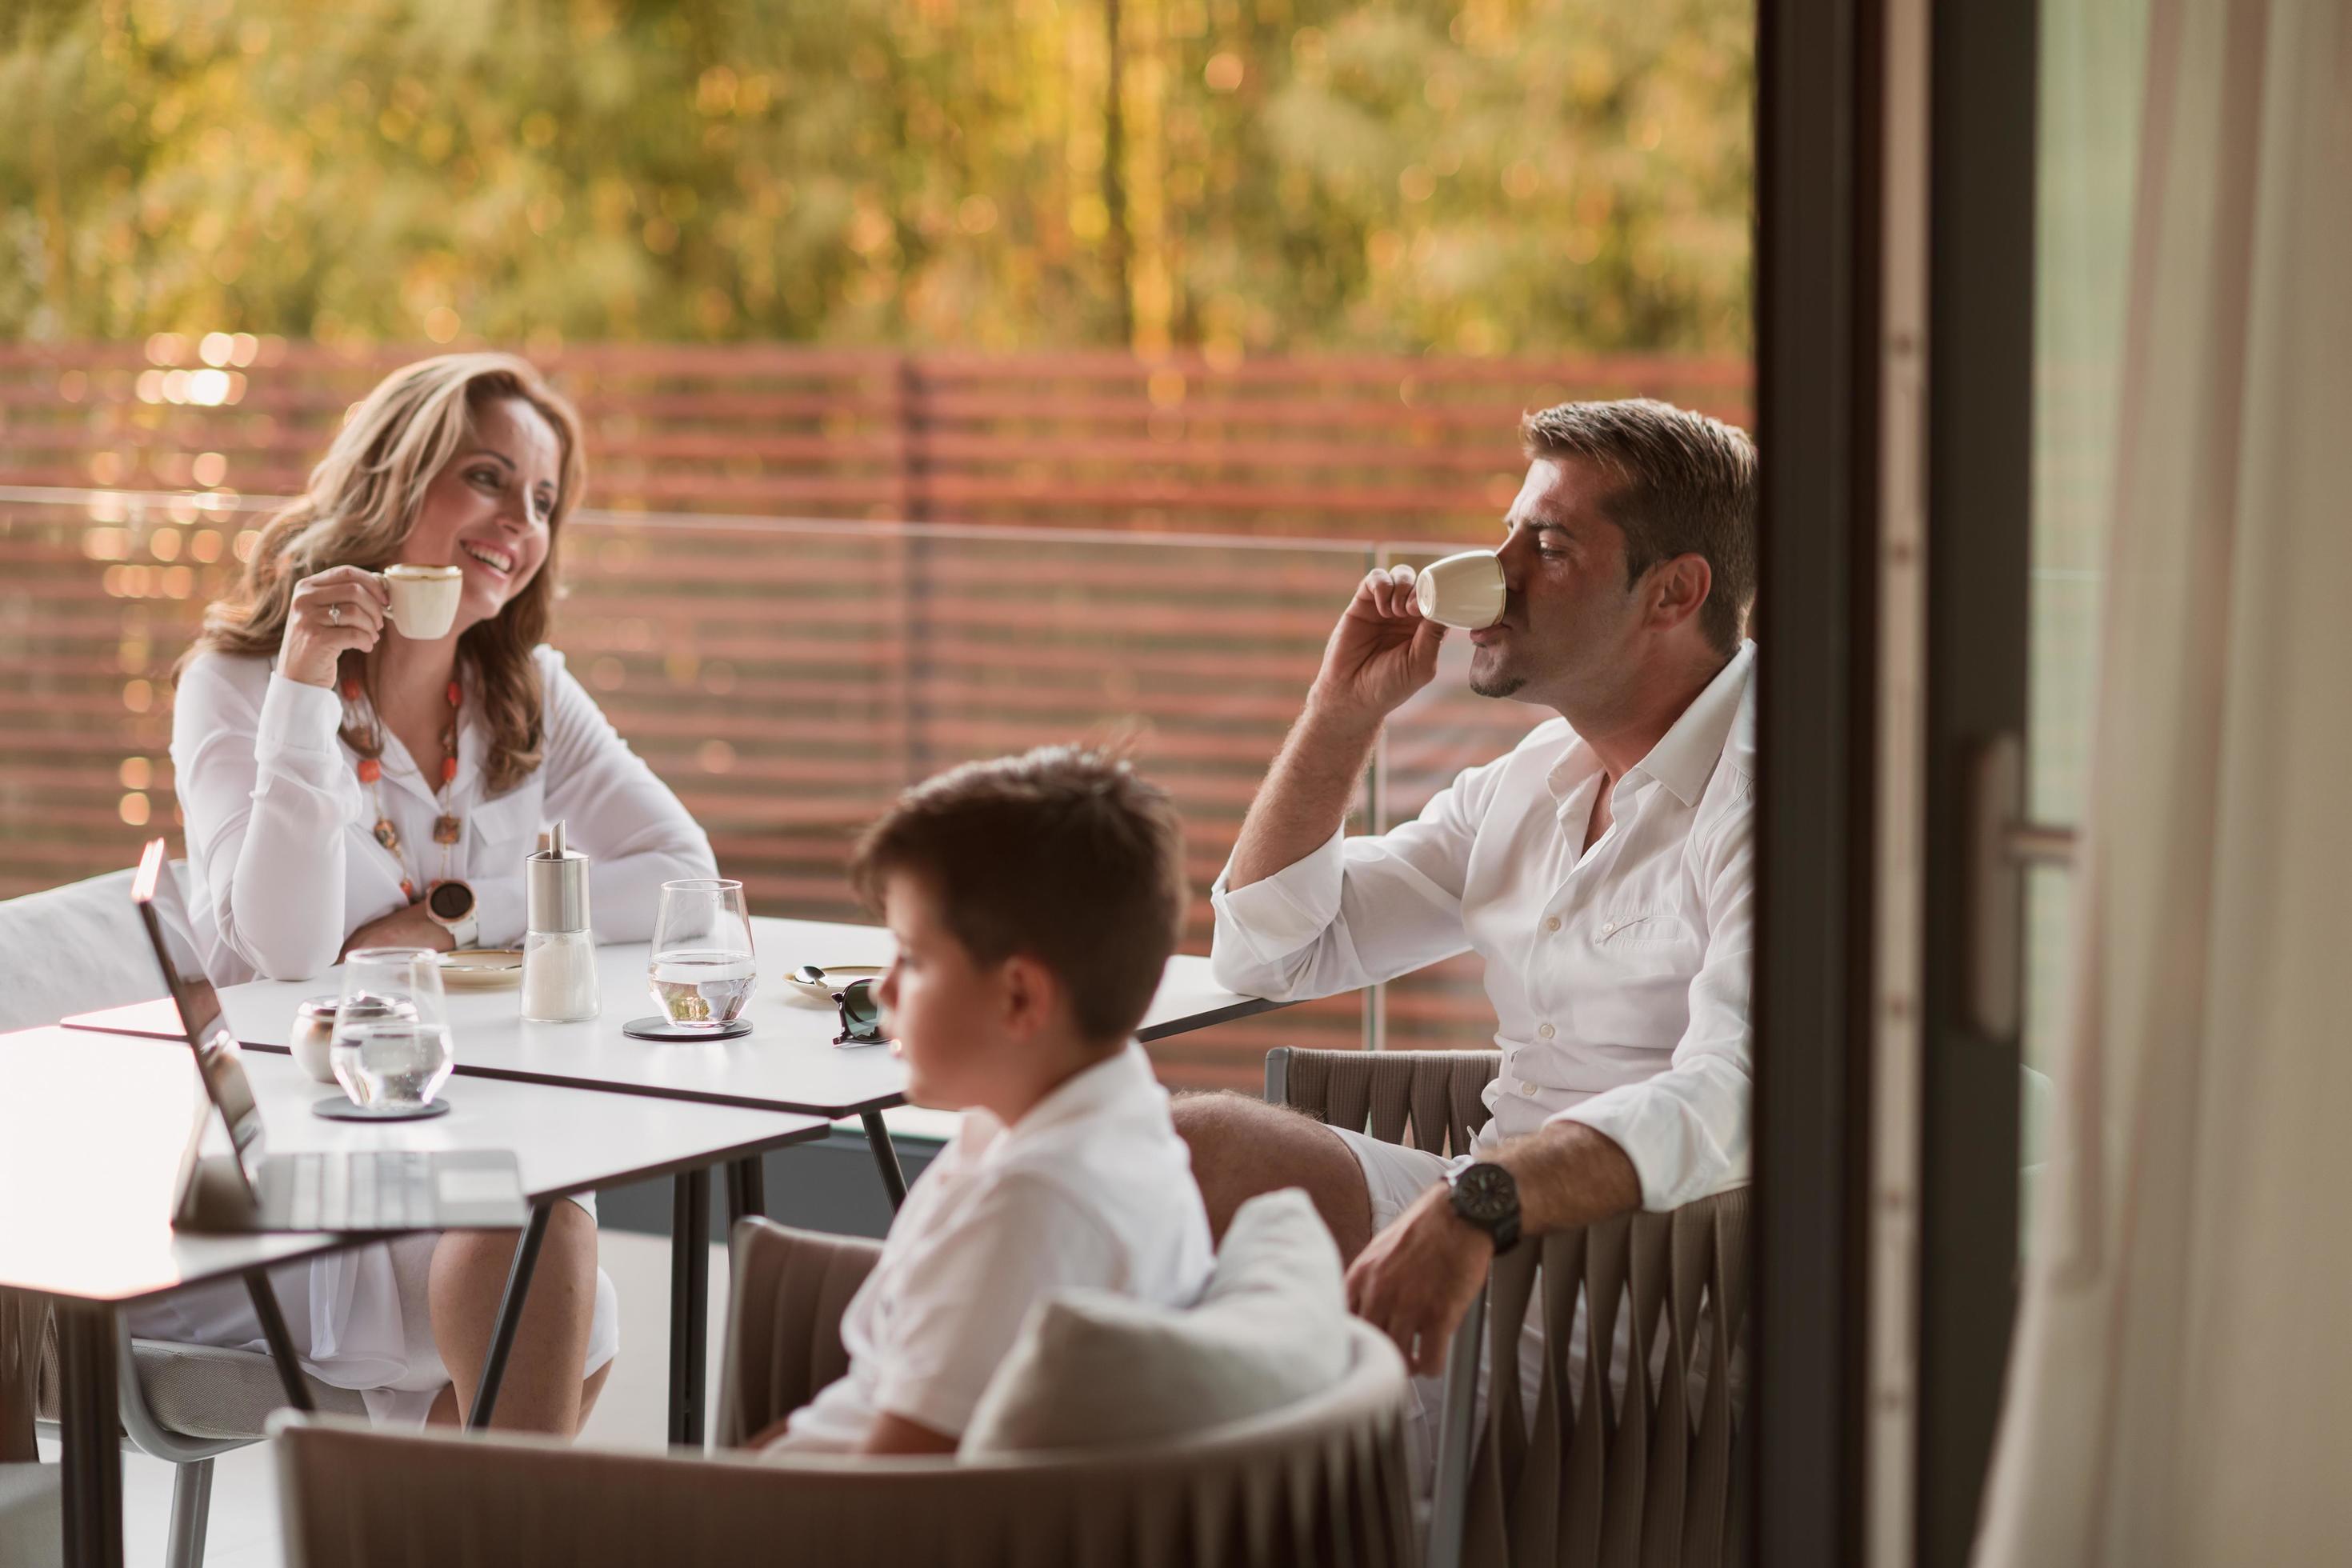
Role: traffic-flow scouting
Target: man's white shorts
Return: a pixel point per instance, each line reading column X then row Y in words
column 1396, row 1174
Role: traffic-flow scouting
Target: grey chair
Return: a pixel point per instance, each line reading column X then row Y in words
column 1318, row 1485
column 74, row 949
column 78, row 948
column 188, row 1405
column 1644, row 1479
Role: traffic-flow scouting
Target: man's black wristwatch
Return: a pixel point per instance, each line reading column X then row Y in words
column 1485, row 1196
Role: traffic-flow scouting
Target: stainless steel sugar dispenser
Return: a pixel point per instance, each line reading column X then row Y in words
column 558, row 951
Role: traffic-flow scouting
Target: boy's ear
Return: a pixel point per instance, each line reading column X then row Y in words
column 1031, row 992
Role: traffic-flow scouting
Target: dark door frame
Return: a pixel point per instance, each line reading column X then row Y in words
column 1820, row 128
column 1984, row 78
column 1817, row 247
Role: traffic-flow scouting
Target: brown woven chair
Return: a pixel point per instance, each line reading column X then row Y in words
column 1321, row 1484
column 1585, row 1480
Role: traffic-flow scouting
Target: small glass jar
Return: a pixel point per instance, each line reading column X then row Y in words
column 313, row 1036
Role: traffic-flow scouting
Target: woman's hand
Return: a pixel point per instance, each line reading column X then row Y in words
column 411, row 927
column 338, row 609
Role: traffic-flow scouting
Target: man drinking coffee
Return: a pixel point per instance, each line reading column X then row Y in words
column 1602, row 869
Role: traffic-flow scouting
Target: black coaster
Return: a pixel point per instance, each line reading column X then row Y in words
column 335, row 1108
column 663, row 1029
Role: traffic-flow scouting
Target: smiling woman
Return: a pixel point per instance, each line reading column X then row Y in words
column 414, row 733
column 368, row 736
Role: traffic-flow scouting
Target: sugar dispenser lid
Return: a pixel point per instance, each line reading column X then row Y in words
column 556, row 886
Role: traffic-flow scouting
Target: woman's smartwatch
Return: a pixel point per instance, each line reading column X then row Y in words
column 452, row 906
column 1486, row 1196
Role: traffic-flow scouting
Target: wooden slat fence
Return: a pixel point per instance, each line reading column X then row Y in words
column 1355, row 447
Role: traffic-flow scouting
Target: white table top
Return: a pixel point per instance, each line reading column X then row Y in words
column 788, row 1061
column 92, row 1126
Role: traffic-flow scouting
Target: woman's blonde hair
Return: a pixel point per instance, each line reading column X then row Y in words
column 360, row 502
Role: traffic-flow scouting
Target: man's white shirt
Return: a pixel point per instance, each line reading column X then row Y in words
column 1092, row 1188
column 1619, row 974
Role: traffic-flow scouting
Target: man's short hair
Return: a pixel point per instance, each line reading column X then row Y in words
column 1064, row 855
column 1686, row 486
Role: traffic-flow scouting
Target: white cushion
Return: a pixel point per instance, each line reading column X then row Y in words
column 1091, row 1368
column 80, row 947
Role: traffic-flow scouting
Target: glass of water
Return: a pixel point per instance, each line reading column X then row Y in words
column 392, row 1045
column 702, row 964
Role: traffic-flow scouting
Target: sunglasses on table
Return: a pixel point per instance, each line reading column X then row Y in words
column 861, row 1014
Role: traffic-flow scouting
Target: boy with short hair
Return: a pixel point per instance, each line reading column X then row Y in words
column 1036, row 900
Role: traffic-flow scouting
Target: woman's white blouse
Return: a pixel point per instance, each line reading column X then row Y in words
column 283, row 861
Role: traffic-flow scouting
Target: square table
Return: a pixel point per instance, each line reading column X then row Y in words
column 91, row 1132
column 788, row 1062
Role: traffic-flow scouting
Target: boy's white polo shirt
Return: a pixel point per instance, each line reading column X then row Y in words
column 1092, row 1188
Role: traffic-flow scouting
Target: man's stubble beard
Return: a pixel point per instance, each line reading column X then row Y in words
column 1498, row 685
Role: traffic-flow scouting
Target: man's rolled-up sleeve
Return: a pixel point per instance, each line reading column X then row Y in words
column 1687, row 1131
column 1353, row 911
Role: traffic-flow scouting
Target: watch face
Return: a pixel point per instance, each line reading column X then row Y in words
column 450, row 900
column 1486, row 1193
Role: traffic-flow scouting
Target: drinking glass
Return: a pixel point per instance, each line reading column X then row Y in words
column 392, row 1045
column 702, row 970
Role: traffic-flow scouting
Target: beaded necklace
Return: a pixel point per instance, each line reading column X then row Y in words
column 363, row 732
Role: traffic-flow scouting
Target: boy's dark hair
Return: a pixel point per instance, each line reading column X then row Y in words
column 1062, row 854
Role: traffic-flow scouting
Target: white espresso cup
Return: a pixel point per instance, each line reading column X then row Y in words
column 1465, row 592
column 423, row 599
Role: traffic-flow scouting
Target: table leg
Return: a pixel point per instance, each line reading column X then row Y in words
column 281, row 1344
column 689, row 1299
column 747, row 1189
column 502, row 1336
column 885, row 1157
column 88, row 1402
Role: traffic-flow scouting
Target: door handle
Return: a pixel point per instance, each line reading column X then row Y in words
column 2002, row 843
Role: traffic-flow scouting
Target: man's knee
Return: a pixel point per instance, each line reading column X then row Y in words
column 1243, row 1147
column 1210, row 1121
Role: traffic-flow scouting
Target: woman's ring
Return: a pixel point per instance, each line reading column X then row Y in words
column 334, row 614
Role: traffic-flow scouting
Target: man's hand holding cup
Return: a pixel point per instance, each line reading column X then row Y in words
column 1385, row 647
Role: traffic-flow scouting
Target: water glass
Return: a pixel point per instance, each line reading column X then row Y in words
column 702, row 970
column 392, row 1045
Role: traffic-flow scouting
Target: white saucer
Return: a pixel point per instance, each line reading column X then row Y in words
column 836, row 975
column 481, row 969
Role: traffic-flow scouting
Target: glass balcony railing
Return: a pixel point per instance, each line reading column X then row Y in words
column 786, row 677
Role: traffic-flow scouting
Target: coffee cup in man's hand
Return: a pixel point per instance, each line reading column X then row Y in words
column 1465, row 591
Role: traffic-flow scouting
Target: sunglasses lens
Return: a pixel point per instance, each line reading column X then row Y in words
column 861, row 1013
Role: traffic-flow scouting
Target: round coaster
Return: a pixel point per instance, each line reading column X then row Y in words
column 335, row 1108
column 663, row 1029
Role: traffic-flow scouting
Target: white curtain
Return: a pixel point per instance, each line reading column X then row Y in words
column 2181, row 1386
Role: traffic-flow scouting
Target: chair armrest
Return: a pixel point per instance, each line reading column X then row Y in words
column 1321, row 1484
column 354, row 1496
column 788, row 1289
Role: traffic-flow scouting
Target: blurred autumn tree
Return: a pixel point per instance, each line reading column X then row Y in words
column 1242, row 175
